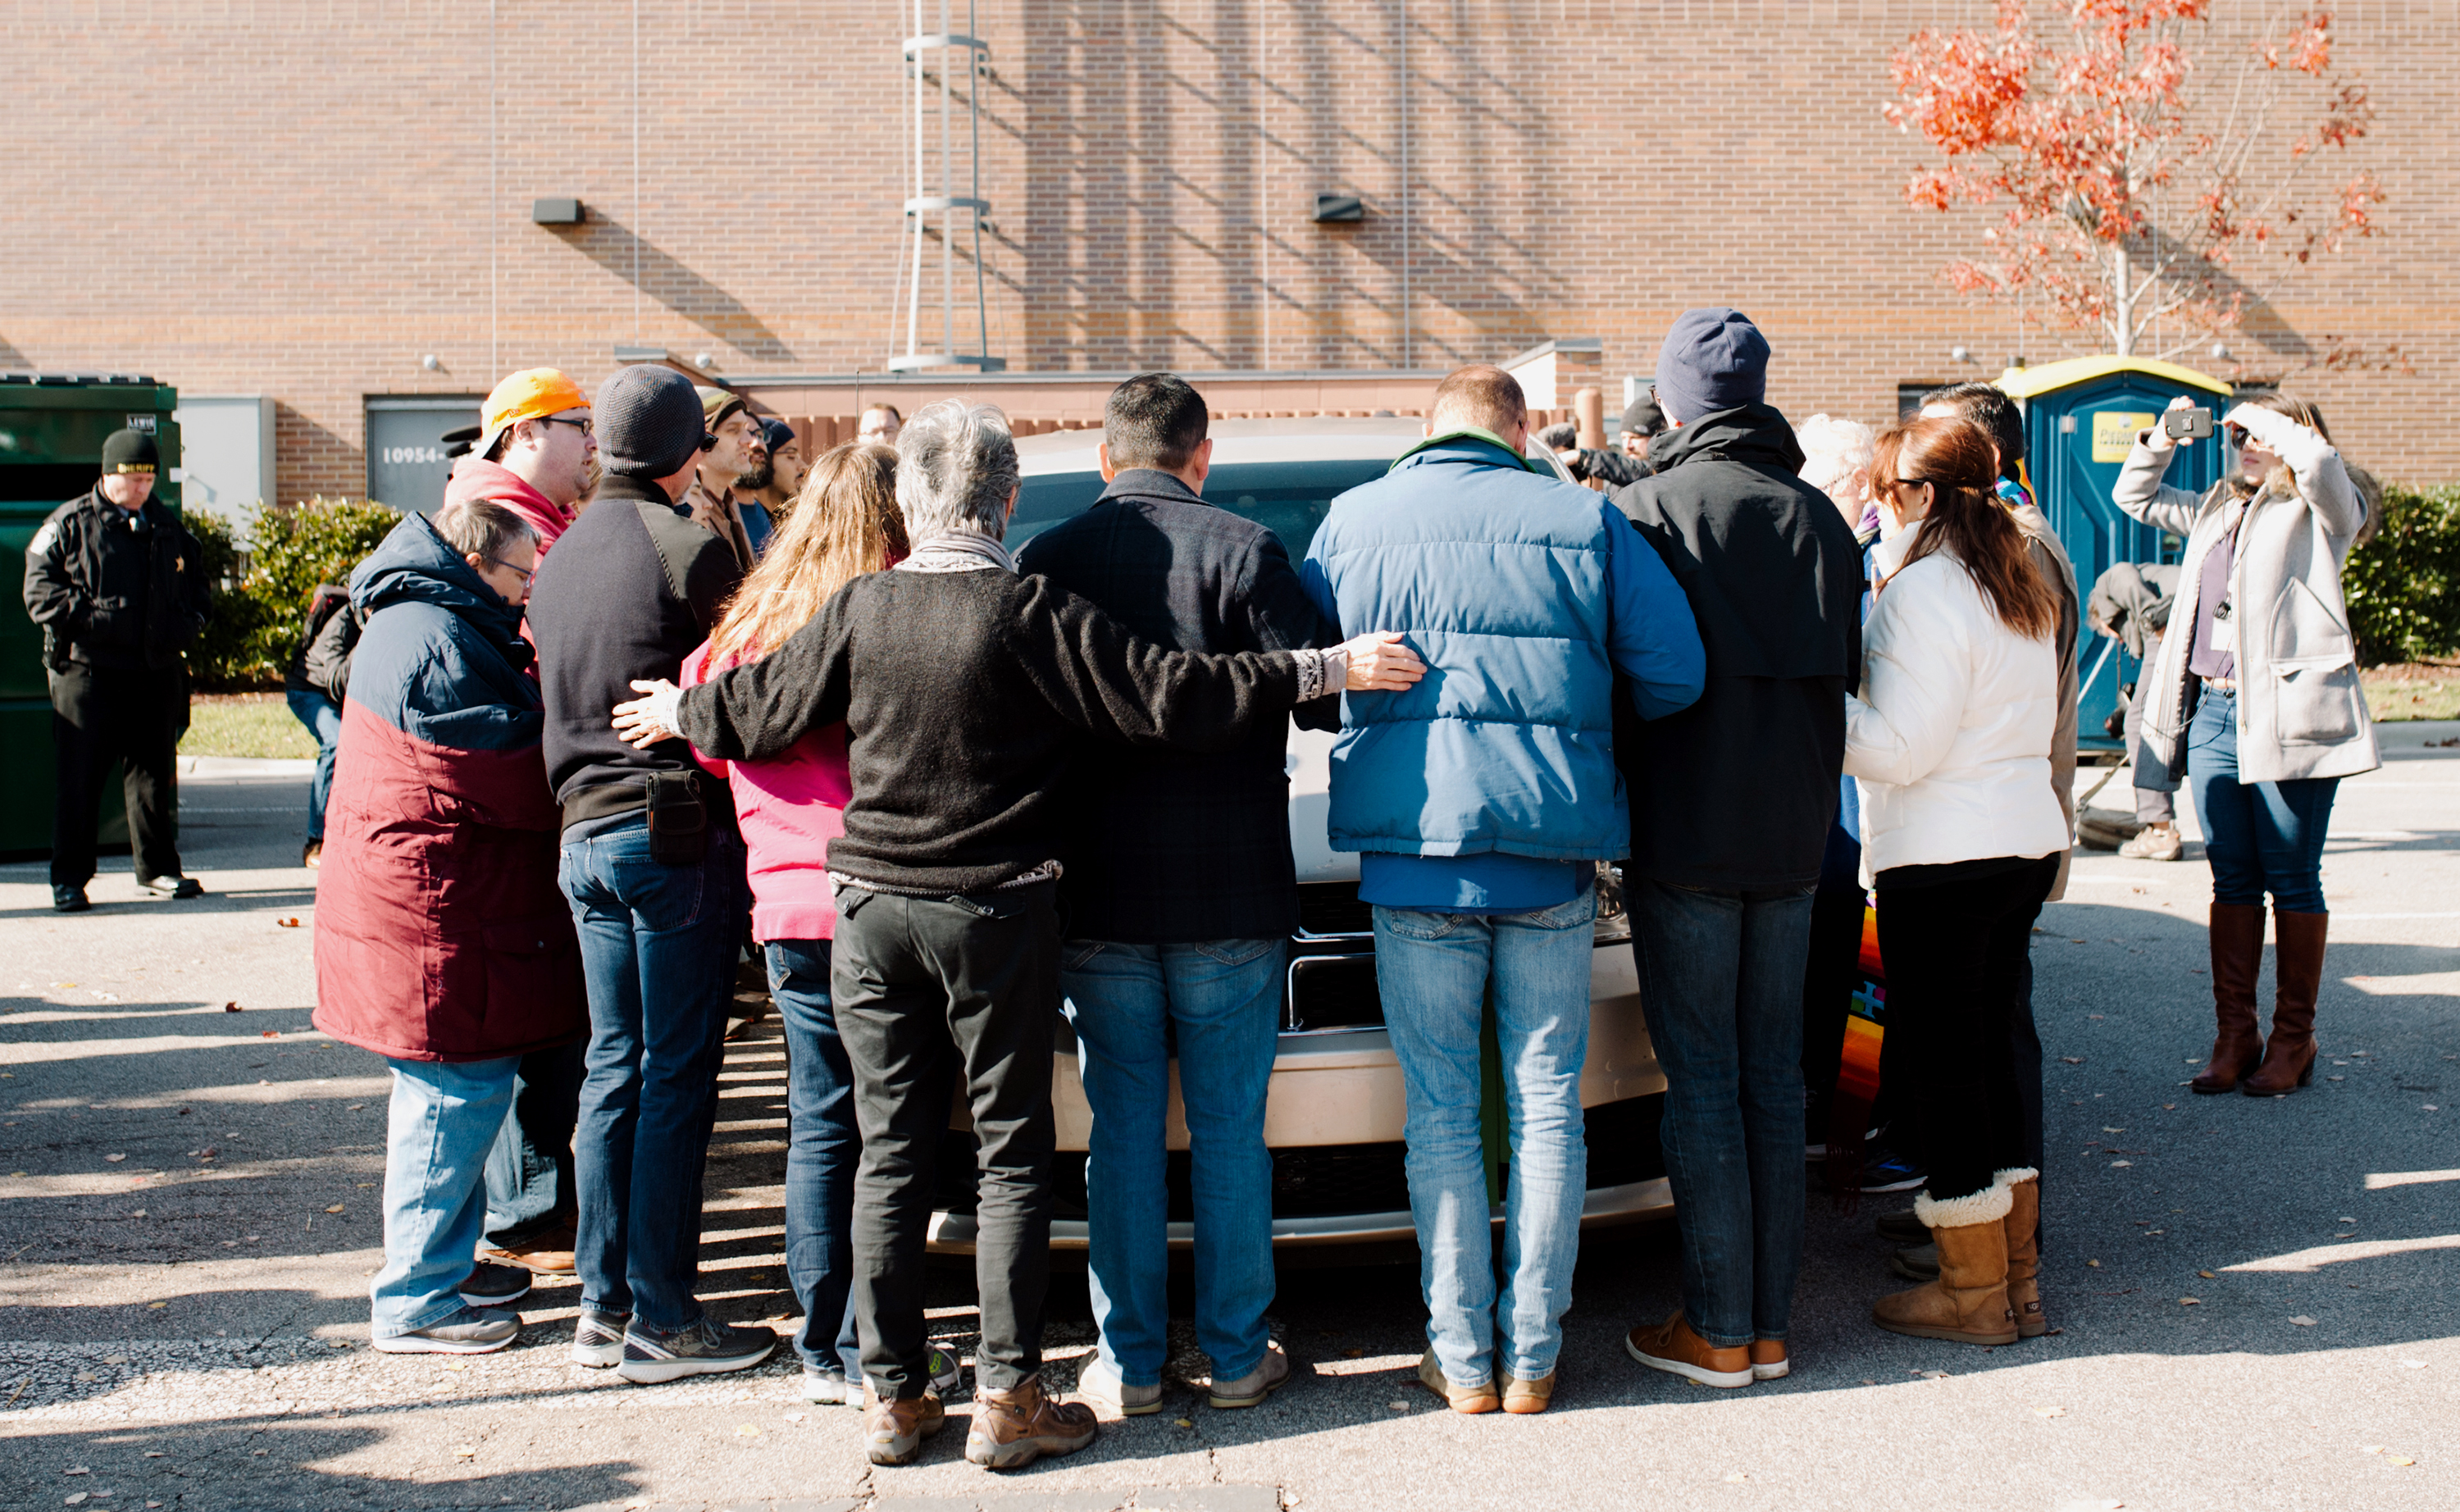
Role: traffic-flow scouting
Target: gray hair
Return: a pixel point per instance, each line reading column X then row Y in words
column 481, row 528
column 956, row 467
column 1833, row 447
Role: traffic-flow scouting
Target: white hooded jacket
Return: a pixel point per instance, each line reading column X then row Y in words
column 1949, row 740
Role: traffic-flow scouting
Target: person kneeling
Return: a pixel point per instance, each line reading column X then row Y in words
column 441, row 942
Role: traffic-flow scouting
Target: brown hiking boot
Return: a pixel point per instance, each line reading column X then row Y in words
column 1672, row 1347
column 2297, row 976
column 1968, row 1303
column 2023, row 1228
column 893, row 1431
column 1015, row 1427
column 2237, row 931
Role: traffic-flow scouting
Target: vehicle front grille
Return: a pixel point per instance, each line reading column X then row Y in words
column 1326, row 1181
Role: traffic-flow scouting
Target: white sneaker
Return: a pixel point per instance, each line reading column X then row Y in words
column 2151, row 843
column 826, row 1388
column 1099, row 1386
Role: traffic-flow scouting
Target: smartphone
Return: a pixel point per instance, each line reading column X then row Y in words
column 2187, row 425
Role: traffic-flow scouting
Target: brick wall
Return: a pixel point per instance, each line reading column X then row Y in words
column 304, row 200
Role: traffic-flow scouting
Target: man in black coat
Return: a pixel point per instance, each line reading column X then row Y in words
column 1730, row 805
column 1182, row 894
column 119, row 586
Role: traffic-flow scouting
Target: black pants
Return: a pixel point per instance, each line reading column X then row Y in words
column 1957, row 962
column 103, row 715
column 926, row 990
column 1835, row 966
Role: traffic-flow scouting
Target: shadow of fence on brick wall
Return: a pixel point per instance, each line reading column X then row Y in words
column 638, row 261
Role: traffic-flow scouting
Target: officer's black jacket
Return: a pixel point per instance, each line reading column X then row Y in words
column 115, row 590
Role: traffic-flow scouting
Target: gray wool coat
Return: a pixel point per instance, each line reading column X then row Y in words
column 2301, row 711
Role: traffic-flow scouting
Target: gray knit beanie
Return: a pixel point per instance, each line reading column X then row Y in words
column 648, row 421
column 1712, row 360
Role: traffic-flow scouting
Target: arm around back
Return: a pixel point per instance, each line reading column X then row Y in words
column 1654, row 640
column 761, row 709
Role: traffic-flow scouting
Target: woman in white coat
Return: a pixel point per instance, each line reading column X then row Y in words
column 1950, row 745
column 2256, row 694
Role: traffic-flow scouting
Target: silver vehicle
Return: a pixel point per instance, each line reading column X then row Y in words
column 1334, row 1113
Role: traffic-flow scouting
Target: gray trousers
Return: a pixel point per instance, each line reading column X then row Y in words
column 931, row 993
column 2156, row 788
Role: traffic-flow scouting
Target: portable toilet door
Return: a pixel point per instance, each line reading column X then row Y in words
column 2081, row 417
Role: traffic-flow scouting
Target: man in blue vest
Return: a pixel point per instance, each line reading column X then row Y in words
column 1481, row 802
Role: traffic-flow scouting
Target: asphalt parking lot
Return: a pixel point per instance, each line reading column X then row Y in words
column 2255, row 1300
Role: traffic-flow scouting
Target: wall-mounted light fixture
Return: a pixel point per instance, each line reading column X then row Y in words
column 1336, row 209
column 2220, row 351
column 431, row 363
column 555, row 212
column 1959, row 354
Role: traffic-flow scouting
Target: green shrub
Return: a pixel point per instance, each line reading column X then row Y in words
column 2404, row 586
column 257, row 622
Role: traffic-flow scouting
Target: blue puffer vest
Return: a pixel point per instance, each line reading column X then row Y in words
column 1497, row 575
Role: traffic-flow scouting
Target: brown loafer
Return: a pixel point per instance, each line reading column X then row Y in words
column 1479, row 1398
column 548, row 1252
column 1015, row 1427
column 1672, row 1347
column 1528, row 1397
column 893, row 1431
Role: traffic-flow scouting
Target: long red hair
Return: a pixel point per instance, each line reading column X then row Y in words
column 1966, row 520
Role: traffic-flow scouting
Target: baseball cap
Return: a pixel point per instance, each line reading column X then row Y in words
column 527, row 395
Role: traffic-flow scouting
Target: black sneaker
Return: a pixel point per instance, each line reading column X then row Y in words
column 705, row 1346
column 598, row 1339
column 69, row 900
column 171, row 884
column 494, row 1286
column 1888, row 1170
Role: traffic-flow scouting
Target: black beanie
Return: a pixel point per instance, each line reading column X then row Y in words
column 130, row 452
column 1643, row 417
column 648, row 421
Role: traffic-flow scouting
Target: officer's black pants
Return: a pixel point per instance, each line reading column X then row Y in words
column 102, row 714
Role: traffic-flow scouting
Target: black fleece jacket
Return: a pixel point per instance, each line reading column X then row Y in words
column 1737, row 791
column 964, row 695
column 628, row 592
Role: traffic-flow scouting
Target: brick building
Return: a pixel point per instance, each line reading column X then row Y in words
column 308, row 199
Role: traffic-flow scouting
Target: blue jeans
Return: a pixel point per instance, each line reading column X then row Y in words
column 1435, row 971
column 822, row 1147
column 658, row 946
column 1720, row 982
column 529, row 1172
column 1222, row 1000
column 2259, row 837
column 323, row 718
column 437, row 1128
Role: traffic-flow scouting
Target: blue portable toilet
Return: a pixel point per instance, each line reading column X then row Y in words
column 2081, row 417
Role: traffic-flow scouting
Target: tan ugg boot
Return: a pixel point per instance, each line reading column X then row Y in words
column 2024, row 1226
column 1968, row 1303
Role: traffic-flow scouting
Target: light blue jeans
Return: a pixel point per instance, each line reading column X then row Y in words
column 438, row 1128
column 1221, row 999
column 323, row 718
column 1435, row 970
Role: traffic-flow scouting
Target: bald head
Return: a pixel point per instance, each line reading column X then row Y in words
column 1482, row 398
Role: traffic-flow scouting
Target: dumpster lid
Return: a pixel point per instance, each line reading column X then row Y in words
column 2026, row 383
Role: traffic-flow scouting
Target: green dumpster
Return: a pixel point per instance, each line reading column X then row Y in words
column 51, row 431
column 2081, row 417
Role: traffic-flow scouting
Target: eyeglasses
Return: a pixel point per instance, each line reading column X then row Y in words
column 708, row 442
column 585, row 427
column 526, row 573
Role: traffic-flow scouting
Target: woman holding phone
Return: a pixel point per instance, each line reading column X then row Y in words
column 2255, row 694
column 1949, row 742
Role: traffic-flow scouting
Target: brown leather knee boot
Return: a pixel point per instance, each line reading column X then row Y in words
column 2237, row 931
column 2298, row 974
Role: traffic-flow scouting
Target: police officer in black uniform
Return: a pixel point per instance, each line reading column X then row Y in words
column 118, row 587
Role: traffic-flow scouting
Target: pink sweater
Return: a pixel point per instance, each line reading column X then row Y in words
column 790, row 807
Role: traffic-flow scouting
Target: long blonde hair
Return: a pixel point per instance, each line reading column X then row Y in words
column 846, row 522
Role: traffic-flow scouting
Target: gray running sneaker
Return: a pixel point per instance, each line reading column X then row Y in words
column 702, row 1346
column 598, row 1339
column 472, row 1331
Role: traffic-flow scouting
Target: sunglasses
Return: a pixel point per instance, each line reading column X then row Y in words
column 585, row 427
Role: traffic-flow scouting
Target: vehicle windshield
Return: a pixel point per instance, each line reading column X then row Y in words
column 1288, row 499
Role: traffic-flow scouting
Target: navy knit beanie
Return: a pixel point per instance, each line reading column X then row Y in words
column 1714, row 359
column 648, row 421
